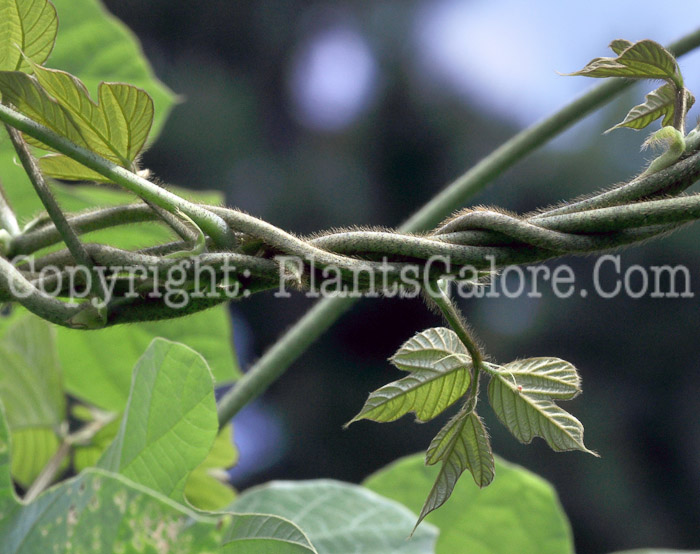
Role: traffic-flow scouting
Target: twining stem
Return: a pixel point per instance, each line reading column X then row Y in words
column 57, row 216
column 295, row 341
column 210, row 223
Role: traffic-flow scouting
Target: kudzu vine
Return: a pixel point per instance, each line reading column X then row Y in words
column 59, row 132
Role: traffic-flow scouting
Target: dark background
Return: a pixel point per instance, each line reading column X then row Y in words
column 244, row 130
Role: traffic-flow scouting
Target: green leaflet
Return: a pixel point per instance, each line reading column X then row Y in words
column 25, row 93
column 26, row 27
column 440, row 369
column 92, row 45
column 546, row 377
column 117, row 126
column 170, row 421
column 427, row 348
column 645, row 59
column 527, row 409
column 461, row 444
column 658, row 103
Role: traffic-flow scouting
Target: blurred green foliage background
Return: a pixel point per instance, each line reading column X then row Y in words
column 320, row 114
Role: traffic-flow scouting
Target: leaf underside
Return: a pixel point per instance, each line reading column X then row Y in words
column 658, row 103
column 461, row 444
column 440, row 373
column 645, row 59
column 521, row 395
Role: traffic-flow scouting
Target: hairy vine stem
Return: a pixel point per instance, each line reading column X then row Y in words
column 474, row 238
column 454, row 318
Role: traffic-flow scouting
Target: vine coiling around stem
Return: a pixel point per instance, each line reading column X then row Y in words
column 469, row 242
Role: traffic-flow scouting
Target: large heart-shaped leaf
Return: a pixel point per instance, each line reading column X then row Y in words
column 101, row 511
column 339, row 517
column 97, row 365
column 97, row 511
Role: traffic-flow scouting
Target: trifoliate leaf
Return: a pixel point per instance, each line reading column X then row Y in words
column 461, row 444
column 658, row 103
column 645, row 59
column 27, row 32
column 116, row 128
column 440, row 374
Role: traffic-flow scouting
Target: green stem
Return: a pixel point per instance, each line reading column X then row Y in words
column 57, row 216
column 206, row 220
column 271, row 365
column 36, row 238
